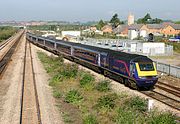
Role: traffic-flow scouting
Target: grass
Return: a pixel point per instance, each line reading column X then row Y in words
column 90, row 119
column 87, row 81
column 73, row 96
column 67, row 118
column 161, row 118
column 137, row 103
column 90, row 102
column 124, row 116
column 176, row 46
column 103, row 86
column 57, row 94
column 107, row 101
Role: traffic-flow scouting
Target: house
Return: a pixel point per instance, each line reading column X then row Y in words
column 155, row 29
column 142, row 30
column 93, row 28
column 121, row 30
column 107, row 29
column 134, row 31
column 173, row 29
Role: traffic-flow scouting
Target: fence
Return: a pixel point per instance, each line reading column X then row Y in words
column 168, row 69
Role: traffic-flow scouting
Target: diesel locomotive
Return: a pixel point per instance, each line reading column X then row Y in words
column 135, row 71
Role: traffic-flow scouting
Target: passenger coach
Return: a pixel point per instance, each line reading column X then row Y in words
column 133, row 70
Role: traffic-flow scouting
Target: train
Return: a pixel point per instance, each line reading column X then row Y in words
column 135, row 71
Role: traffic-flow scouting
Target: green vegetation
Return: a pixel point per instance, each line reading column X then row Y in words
column 73, row 96
column 138, row 104
column 107, row 101
column 125, row 116
column 177, row 22
column 90, row 119
column 87, row 81
column 148, row 20
column 82, row 99
column 57, row 94
column 161, row 118
column 6, row 32
column 56, row 27
column 176, row 46
column 100, row 24
column 115, row 21
column 103, row 86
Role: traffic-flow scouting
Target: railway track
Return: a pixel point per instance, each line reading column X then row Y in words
column 5, row 43
column 172, row 102
column 169, row 88
column 7, row 56
column 30, row 109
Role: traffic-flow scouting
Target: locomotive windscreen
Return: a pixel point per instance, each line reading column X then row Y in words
column 146, row 66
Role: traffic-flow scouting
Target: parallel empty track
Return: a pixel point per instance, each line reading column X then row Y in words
column 30, row 110
column 7, row 56
column 172, row 102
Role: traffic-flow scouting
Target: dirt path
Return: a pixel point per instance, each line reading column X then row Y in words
column 10, row 90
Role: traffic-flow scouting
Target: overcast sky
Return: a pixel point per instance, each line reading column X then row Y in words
column 86, row 10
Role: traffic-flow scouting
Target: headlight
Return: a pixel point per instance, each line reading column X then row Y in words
column 141, row 77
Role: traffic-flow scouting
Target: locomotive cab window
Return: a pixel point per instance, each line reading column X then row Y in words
column 146, row 66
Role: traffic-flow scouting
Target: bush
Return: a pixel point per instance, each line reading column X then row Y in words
column 107, row 101
column 69, row 71
column 6, row 32
column 124, row 117
column 137, row 103
column 103, row 86
column 55, row 80
column 87, row 81
column 90, row 119
column 73, row 96
column 57, row 94
column 162, row 118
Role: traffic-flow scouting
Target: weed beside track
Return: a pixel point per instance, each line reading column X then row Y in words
column 82, row 99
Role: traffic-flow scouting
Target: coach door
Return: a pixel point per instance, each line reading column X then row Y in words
column 132, row 69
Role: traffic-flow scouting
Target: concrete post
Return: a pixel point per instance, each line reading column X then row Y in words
column 150, row 104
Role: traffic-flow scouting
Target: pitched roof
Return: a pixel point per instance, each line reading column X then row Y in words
column 107, row 26
column 155, row 26
column 175, row 26
column 135, row 27
column 120, row 28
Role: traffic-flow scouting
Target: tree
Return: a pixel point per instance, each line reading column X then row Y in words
column 53, row 27
column 147, row 17
column 177, row 22
column 148, row 20
column 100, row 24
column 157, row 21
column 144, row 20
column 115, row 20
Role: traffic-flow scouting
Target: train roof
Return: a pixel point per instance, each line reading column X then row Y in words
column 127, row 57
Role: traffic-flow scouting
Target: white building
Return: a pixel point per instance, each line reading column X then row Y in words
column 135, row 32
column 132, row 34
column 71, row 33
column 147, row 48
column 49, row 33
column 153, row 48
